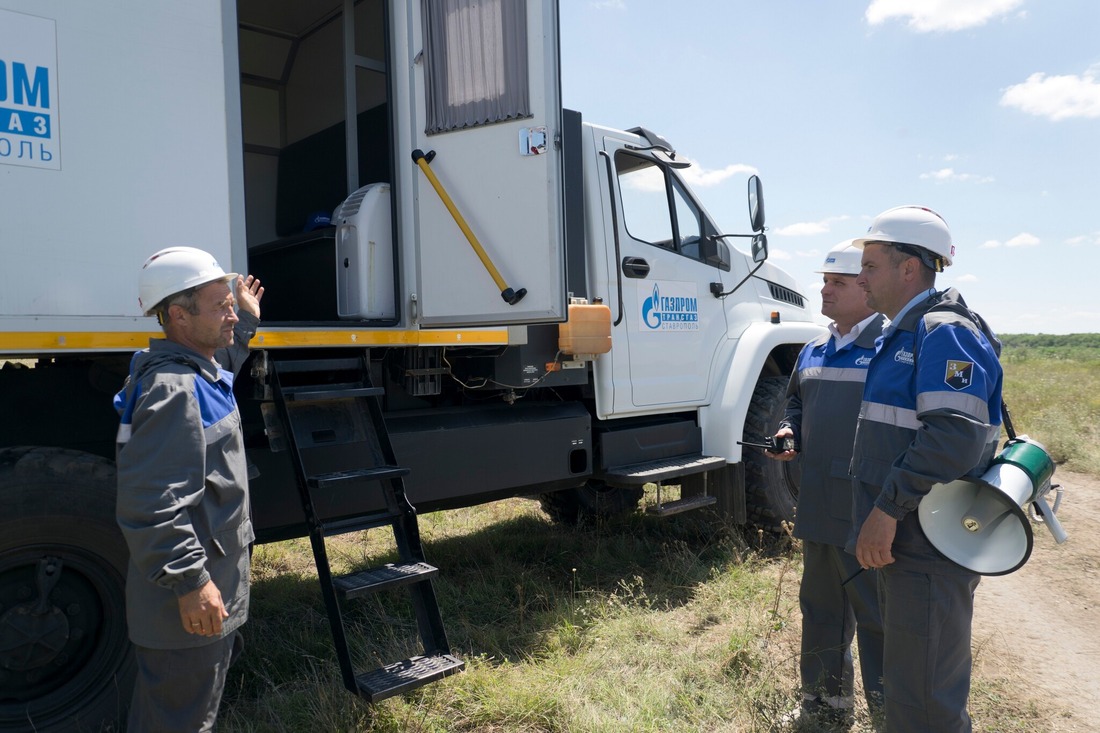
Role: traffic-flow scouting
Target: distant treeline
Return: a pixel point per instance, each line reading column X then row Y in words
column 1075, row 346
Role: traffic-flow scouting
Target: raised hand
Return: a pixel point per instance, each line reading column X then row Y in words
column 249, row 292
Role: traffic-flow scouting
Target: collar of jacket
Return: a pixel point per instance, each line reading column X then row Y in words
column 184, row 355
column 867, row 337
column 949, row 297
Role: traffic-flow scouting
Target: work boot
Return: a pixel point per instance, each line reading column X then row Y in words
column 815, row 715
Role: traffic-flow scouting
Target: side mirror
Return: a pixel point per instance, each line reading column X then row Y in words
column 759, row 248
column 756, row 209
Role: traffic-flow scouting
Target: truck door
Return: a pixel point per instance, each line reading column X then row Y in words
column 484, row 104
column 672, row 323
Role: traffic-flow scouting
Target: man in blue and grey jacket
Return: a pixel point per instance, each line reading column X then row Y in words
column 824, row 397
column 183, row 502
column 931, row 413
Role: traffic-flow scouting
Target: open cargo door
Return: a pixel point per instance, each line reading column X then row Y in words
column 485, row 111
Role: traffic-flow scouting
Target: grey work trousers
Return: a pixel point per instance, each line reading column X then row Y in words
column 927, row 618
column 181, row 689
column 831, row 616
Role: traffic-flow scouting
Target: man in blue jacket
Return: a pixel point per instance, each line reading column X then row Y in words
column 823, row 403
column 931, row 413
column 183, row 502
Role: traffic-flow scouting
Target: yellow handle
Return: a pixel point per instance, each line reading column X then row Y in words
column 422, row 162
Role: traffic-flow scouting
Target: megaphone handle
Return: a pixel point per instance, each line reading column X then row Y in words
column 1007, row 419
column 1057, row 497
column 1050, row 520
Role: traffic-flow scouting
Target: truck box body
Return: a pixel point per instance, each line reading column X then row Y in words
column 157, row 112
column 145, row 150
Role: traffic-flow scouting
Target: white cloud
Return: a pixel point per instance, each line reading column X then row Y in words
column 1056, row 97
column 925, row 16
column 810, row 228
column 967, row 278
column 949, row 174
column 1093, row 238
column 610, row 4
column 942, row 174
column 700, row 177
column 1023, row 239
column 990, row 244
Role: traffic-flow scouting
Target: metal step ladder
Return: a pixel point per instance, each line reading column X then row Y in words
column 332, row 424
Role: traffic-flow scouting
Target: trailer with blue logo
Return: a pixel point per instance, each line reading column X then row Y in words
column 471, row 293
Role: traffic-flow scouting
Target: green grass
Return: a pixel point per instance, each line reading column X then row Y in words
column 638, row 625
column 643, row 624
column 1052, row 389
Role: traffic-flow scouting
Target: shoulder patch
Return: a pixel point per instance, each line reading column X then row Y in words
column 959, row 374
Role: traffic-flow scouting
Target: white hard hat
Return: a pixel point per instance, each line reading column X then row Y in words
column 916, row 226
column 174, row 270
column 843, row 259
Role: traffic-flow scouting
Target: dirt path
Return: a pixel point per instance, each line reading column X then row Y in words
column 1039, row 628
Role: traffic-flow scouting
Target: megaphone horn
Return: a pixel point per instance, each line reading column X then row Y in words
column 981, row 524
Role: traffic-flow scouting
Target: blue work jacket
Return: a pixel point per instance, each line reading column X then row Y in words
column 931, row 413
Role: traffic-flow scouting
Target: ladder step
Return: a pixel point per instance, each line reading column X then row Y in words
column 299, row 366
column 358, row 523
column 681, row 505
column 390, row 575
column 400, row 677
column 317, row 393
column 378, row 473
column 660, row 470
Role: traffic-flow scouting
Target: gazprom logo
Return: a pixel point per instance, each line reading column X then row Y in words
column 674, row 309
column 24, row 86
column 29, row 134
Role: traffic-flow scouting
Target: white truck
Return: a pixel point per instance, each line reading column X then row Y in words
column 546, row 304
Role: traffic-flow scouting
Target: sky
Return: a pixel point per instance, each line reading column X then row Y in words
column 986, row 111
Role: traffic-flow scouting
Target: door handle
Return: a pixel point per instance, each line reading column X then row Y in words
column 635, row 267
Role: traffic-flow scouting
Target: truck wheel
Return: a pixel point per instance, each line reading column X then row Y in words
column 593, row 501
column 771, row 487
column 65, row 660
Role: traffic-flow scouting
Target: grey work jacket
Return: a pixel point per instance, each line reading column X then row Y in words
column 824, row 396
column 183, row 502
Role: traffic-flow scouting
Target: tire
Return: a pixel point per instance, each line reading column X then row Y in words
column 65, row 660
column 771, row 487
column 595, row 501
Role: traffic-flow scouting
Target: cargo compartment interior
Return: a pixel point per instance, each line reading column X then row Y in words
column 296, row 106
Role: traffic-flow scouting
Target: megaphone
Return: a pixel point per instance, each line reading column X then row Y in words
column 982, row 524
